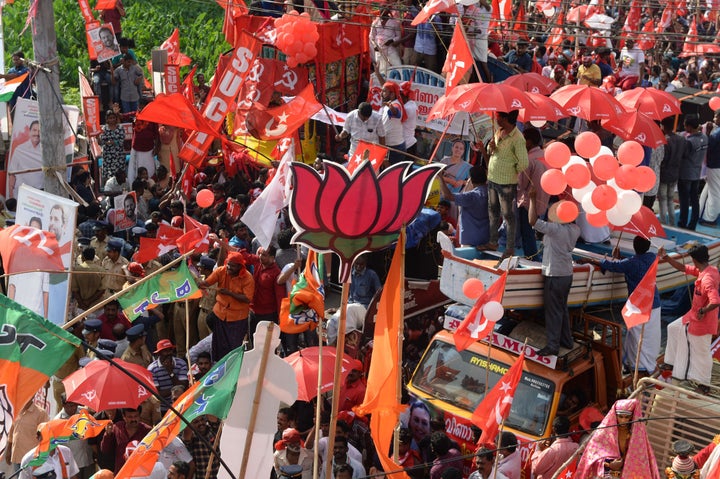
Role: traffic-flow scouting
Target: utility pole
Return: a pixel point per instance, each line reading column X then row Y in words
column 48, row 91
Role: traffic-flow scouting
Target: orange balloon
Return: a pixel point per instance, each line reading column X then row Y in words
column 205, row 198
column 714, row 103
column 597, row 219
column 645, row 178
column 587, row 144
column 553, row 182
column 630, row 153
column 577, row 175
column 605, row 167
column 473, row 288
column 567, row 211
column 625, row 177
column 604, row 197
column 557, row 154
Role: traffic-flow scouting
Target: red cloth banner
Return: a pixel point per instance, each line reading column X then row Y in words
column 105, row 4
column 91, row 112
column 172, row 79
column 86, row 11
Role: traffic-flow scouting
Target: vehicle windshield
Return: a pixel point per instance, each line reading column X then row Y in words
column 459, row 377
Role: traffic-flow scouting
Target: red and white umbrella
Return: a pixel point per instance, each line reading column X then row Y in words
column 480, row 98
column 636, row 126
column 532, row 83
column 542, row 109
column 589, row 103
column 654, row 103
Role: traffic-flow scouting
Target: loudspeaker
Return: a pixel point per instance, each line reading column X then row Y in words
column 693, row 102
column 159, row 60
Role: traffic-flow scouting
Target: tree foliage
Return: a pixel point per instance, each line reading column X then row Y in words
column 148, row 22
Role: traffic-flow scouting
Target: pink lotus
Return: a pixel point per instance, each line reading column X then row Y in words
column 350, row 214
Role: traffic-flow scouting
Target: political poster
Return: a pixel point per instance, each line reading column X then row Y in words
column 125, row 216
column 103, row 42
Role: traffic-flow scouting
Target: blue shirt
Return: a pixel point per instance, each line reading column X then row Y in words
column 363, row 286
column 634, row 269
column 524, row 61
column 162, row 378
column 474, row 219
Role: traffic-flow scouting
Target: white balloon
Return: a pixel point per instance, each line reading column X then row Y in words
column 574, row 160
column 588, row 206
column 611, row 183
column 549, row 12
column 493, row 310
column 629, row 202
column 579, row 193
column 617, row 217
column 538, row 123
column 604, row 150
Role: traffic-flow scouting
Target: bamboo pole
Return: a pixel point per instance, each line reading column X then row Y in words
column 208, row 469
column 339, row 353
column 318, row 405
column 256, row 400
column 637, row 356
column 398, row 379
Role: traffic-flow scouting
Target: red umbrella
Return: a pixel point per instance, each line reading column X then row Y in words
column 643, row 223
column 701, row 49
column 542, row 109
column 305, row 365
column 100, row 385
column 479, row 98
column 589, row 103
column 532, row 82
column 656, row 104
column 636, row 126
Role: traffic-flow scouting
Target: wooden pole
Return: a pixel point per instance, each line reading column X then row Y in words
column 637, row 356
column 187, row 336
column 208, row 469
column 398, row 382
column 339, row 352
column 318, row 404
column 256, row 400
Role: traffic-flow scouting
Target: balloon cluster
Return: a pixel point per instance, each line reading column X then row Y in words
column 296, row 37
column 607, row 188
column 473, row 288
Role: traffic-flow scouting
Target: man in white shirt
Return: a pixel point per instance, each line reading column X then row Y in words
column 362, row 124
column 59, row 462
column 632, row 65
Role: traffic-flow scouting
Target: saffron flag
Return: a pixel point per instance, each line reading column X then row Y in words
column 167, row 287
column 495, row 406
column 61, row 431
column 432, row 7
column 305, row 306
column 24, row 248
column 476, row 325
column 380, row 396
column 371, row 152
column 32, row 349
column 213, row 394
column 284, row 120
column 458, row 61
column 638, row 306
column 261, row 216
column 7, row 89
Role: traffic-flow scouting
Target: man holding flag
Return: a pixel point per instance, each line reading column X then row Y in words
column 641, row 300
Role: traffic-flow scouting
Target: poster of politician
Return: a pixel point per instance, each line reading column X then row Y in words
column 43, row 292
column 103, row 43
column 125, row 216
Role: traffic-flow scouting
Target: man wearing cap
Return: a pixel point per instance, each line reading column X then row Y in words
column 137, row 351
column 236, row 288
column 113, row 265
column 352, row 392
column 410, row 124
column 59, row 464
column 86, row 281
column 110, row 317
column 167, row 370
column 100, row 240
column 91, row 333
column 290, row 450
column 119, row 434
column 557, row 269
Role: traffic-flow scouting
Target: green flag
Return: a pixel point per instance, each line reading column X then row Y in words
column 31, row 350
column 166, row 287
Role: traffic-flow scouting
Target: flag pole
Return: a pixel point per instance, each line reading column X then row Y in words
column 208, row 469
column 318, row 404
column 187, row 334
column 637, row 355
column 339, row 352
column 398, row 381
column 256, row 400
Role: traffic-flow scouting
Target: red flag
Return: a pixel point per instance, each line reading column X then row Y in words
column 176, row 110
column 172, row 45
column 691, row 40
column 495, row 407
column 195, row 239
column 647, row 37
column 365, row 151
column 520, row 26
column 168, row 234
column 24, row 248
column 476, row 326
column 458, row 61
column 284, row 120
column 557, row 34
column 632, row 21
column 502, row 10
column 91, row 113
column 232, row 10
column 187, row 86
column 105, row 4
column 638, row 307
column 152, row 248
column 666, row 18
column 187, row 180
column 432, row 7
column 85, row 11
column 569, row 471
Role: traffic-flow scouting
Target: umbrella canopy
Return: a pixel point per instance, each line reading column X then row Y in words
column 636, row 126
column 305, row 365
column 542, row 109
column 100, row 385
column 532, row 82
column 643, row 223
column 700, row 49
column 479, row 98
column 589, row 103
column 654, row 103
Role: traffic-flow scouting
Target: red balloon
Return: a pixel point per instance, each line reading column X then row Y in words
column 630, row 153
column 645, row 177
column 578, row 175
column 714, row 103
column 597, row 219
column 587, row 144
column 205, row 198
column 604, row 197
column 567, row 211
column 557, row 154
column 625, row 177
column 605, row 167
column 473, row 288
column 553, row 182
